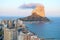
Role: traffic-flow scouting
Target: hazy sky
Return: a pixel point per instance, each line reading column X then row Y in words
column 10, row 7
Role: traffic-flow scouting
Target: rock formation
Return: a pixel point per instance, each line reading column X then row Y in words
column 38, row 14
column 39, row 10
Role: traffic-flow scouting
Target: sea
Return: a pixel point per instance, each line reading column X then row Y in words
column 47, row 30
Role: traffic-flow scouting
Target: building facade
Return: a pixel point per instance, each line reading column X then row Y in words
column 10, row 34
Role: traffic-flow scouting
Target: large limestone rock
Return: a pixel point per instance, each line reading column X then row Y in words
column 38, row 14
column 39, row 10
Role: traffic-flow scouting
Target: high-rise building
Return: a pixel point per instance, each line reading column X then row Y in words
column 34, row 37
column 10, row 34
column 10, row 24
column 17, row 32
column 23, row 36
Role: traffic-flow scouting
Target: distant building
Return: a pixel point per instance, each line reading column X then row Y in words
column 0, row 21
column 34, row 37
column 10, row 24
column 27, row 36
column 23, row 36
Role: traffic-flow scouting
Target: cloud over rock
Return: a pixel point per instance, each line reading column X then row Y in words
column 29, row 6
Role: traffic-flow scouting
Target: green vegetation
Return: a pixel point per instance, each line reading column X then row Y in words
column 1, row 32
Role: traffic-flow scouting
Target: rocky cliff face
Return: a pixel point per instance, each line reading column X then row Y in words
column 38, row 14
column 39, row 10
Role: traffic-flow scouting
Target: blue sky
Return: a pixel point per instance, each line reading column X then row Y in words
column 10, row 7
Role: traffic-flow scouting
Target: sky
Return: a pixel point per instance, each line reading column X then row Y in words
column 11, row 7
